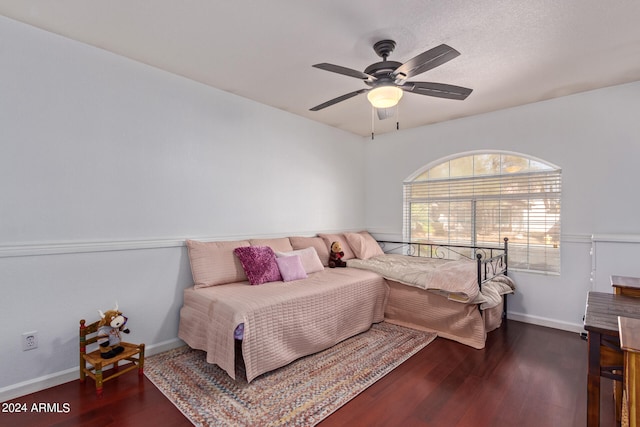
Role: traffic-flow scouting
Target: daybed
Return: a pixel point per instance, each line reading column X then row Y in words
column 281, row 321
column 284, row 318
column 459, row 292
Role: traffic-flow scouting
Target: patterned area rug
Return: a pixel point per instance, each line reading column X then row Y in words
column 302, row 393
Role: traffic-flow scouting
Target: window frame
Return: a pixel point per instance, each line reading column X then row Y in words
column 535, row 256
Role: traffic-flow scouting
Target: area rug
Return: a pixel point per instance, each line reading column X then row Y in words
column 302, row 393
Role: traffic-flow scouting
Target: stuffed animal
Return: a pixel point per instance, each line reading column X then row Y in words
column 112, row 322
column 335, row 257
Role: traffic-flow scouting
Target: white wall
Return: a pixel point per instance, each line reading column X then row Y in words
column 594, row 137
column 107, row 165
column 613, row 254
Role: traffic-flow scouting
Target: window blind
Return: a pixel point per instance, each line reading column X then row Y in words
column 482, row 210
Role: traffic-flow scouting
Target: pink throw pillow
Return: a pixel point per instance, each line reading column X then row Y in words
column 363, row 244
column 259, row 264
column 291, row 268
column 277, row 244
column 308, row 258
column 213, row 263
column 330, row 238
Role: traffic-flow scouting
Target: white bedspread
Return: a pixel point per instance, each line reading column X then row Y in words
column 457, row 280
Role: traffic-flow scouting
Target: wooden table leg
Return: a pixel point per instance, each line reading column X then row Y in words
column 617, row 397
column 593, row 380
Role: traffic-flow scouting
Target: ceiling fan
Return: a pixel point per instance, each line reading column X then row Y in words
column 387, row 80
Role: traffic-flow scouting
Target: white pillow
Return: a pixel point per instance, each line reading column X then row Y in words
column 309, row 258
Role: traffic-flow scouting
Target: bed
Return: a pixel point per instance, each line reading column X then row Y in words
column 277, row 322
column 282, row 321
column 457, row 291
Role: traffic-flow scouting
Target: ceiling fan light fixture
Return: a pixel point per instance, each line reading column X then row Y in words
column 384, row 96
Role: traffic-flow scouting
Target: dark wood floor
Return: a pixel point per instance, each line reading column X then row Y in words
column 526, row 376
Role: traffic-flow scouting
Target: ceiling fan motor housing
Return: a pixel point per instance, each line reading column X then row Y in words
column 382, row 71
column 383, row 48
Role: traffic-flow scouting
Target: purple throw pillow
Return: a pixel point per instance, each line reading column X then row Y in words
column 259, row 264
column 291, row 268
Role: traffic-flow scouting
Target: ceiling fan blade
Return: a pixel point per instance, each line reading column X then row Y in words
column 426, row 61
column 345, row 71
column 338, row 99
column 438, row 90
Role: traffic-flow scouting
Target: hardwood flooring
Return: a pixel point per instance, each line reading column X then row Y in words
column 526, row 376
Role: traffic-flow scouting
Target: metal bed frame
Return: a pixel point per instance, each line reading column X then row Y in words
column 491, row 261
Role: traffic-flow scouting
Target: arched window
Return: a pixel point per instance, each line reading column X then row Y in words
column 480, row 198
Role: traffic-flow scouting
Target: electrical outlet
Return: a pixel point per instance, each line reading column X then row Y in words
column 29, row 340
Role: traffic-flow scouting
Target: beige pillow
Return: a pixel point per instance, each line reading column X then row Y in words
column 330, row 238
column 214, row 263
column 281, row 244
column 308, row 257
column 363, row 244
column 299, row 242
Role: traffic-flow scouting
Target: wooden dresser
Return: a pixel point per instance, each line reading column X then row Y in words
column 623, row 285
column 630, row 286
column 630, row 343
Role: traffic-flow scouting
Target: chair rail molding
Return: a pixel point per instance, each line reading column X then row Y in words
column 58, row 248
column 74, row 247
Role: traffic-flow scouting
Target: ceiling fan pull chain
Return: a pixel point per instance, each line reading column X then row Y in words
column 398, row 117
column 372, row 121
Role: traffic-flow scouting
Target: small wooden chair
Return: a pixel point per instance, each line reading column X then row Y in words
column 133, row 353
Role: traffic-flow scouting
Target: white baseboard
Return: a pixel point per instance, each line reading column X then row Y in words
column 38, row 384
column 163, row 346
column 51, row 380
column 549, row 323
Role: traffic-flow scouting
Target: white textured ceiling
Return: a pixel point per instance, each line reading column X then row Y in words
column 512, row 52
